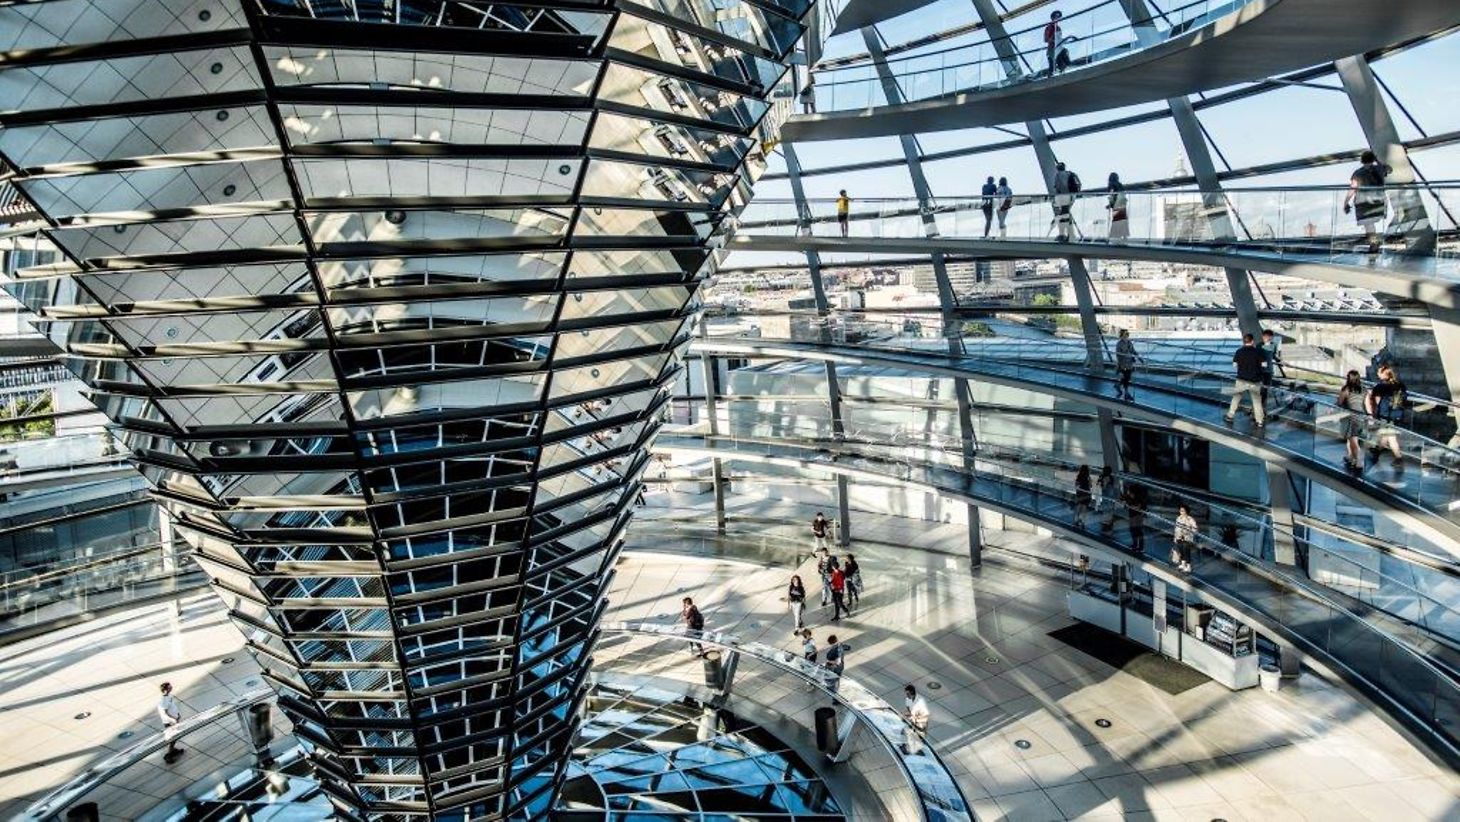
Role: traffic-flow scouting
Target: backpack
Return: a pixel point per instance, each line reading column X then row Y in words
column 1075, row 185
column 1049, row 31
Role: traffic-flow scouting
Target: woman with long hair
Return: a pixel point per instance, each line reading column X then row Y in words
column 1115, row 203
column 1351, row 400
column 1083, row 497
column 796, row 596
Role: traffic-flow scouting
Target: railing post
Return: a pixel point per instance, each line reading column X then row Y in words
column 848, row 724
column 728, row 664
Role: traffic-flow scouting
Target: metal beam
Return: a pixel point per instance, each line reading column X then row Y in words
column 947, row 299
column 823, row 313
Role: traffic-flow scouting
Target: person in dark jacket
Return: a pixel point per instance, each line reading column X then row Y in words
column 694, row 621
column 796, row 596
column 1083, row 497
column 990, row 191
column 1248, row 360
column 1125, row 363
column 1366, row 198
column 853, row 570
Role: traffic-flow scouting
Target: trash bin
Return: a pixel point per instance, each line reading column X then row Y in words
column 1270, row 677
column 714, row 670
column 825, row 729
column 85, row 812
column 260, row 724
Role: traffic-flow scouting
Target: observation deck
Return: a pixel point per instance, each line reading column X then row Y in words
column 1114, row 61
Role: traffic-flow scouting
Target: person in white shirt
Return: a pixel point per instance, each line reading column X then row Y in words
column 917, row 716
column 171, row 715
column 1184, row 539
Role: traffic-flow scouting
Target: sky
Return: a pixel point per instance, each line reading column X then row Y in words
column 1287, row 123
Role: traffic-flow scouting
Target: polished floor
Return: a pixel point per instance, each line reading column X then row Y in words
column 1308, row 752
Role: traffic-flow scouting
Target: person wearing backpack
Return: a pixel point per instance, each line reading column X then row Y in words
column 1066, row 186
column 1366, row 198
column 1386, row 400
column 1052, row 37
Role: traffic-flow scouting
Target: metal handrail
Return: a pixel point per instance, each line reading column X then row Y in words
column 54, row 803
column 68, row 570
column 873, row 710
column 869, row 465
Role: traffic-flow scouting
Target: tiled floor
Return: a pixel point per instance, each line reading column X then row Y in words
column 111, row 669
column 1309, row 752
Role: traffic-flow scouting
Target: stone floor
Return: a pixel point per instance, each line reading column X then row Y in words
column 1311, row 751
column 1308, row 752
column 110, row 670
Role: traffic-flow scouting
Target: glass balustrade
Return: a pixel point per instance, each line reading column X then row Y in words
column 1383, row 653
column 1295, row 224
column 1308, row 424
column 1342, row 564
column 29, row 599
column 1088, row 37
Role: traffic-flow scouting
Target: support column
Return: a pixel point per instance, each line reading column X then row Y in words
column 1079, row 274
column 1281, row 499
column 1410, row 216
column 823, row 313
column 1364, row 95
column 170, row 548
column 711, row 376
column 947, row 298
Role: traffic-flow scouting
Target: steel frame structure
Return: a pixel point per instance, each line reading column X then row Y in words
column 386, row 299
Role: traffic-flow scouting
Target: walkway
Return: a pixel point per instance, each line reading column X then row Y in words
column 1195, row 46
column 1203, row 754
column 1295, row 440
column 1430, row 280
column 1310, row 751
column 1287, row 606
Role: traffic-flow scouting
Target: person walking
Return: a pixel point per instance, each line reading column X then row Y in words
column 838, row 594
column 1385, row 401
column 1135, row 514
column 808, row 653
column 1082, row 495
column 1115, row 203
column 796, row 596
column 853, row 570
column 986, row 205
column 820, row 529
column 843, row 211
column 1052, row 37
column 1248, row 361
column 1066, row 186
column 1109, row 492
column 824, row 563
column 170, row 714
column 835, row 662
column 1272, row 358
column 1352, row 400
column 1366, row 198
column 1126, row 358
column 1184, row 539
column 1006, row 203
column 918, row 716
column 694, row 622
